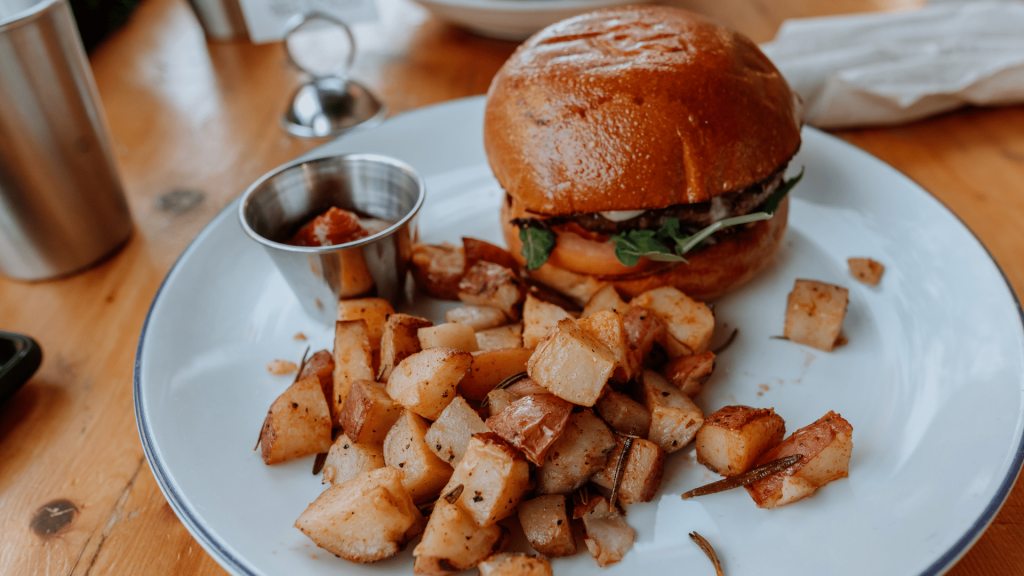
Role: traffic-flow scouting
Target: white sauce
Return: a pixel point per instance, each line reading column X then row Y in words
column 621, row 215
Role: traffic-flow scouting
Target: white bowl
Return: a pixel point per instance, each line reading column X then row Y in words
column 514, row 19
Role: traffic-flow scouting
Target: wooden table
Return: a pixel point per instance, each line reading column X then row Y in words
column 193, row 124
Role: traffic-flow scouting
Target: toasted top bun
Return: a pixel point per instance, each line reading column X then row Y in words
column 636, row 108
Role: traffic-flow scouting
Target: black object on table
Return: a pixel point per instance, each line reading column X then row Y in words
column 20, row 357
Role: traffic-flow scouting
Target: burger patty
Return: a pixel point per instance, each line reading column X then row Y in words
column 692, row 217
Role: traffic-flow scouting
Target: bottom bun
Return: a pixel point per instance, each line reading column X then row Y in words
column 710, row 273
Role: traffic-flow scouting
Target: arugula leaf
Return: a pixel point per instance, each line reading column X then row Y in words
column 773, row 201
column 537, row 245
column 634, row 244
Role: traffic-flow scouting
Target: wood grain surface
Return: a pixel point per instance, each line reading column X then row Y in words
column 193, row 123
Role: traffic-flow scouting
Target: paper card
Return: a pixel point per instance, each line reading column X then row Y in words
column 267, row 20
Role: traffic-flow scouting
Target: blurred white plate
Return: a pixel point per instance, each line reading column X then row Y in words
column 514, row 19
column 931, row 379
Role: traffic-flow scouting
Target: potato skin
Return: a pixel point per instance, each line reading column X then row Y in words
column 399, row 341
column 438, row 269
column 368, row 413
column 624, row 414
column 321, row 365
column 532, row 424
column 337, row 519
column 825, row 445
column 489, row 284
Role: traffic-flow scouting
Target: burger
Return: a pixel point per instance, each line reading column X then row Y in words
column 642, row 147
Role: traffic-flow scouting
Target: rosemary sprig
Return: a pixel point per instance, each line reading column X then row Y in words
column 708, row 550
column 749, row 477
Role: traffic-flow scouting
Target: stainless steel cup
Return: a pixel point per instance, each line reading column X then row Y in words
column 273, row 209
column 61, row 203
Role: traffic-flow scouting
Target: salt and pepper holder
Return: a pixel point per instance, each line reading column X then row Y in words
column 330, row 104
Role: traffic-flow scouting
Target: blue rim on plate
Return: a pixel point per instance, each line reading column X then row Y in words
column 229, row 560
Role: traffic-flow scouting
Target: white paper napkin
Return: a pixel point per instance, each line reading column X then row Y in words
column 896, row 67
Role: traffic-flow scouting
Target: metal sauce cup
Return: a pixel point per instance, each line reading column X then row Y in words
column 274, row 208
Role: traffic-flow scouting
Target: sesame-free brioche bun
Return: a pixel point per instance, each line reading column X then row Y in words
column 710, row 273
column 636, row 108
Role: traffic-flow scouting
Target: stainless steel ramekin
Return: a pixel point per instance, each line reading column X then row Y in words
column 276, row 205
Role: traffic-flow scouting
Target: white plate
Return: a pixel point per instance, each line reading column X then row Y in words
column 931, row 379
column 515, row 19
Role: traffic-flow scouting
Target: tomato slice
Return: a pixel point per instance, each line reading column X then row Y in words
column 578, row 254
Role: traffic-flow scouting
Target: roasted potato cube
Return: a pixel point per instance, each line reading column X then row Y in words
column 510, row 336
column 498, row 400
column 448, row 335
column 405, row 448
column 578, row 287
column 488, row 284
column 642, row 475
column 490, row 367
column 321, row 365
column 348, row 460
column 338, row 518
column 624, row 414
column 494, row 477
column 539, row 317
column 689, row 373
column 452, row 542
column 508, row 564
column 572, row 364
column 815, row 312
column 476, row 317
column 375, row 311
column 477, row 250
column 298, row 423
column 368, row 413
column 688, row 322
column 733, row 438
column 608, row 535
column 399, row 341
column 608, row 328
column 450, row 434
column 532, row 424
column 606, row 298
column 866, row 270
column 825, row 446
column 644, row 328
column 425, row 382
column 675, row 419
column 438, row 269
column 581, row 450
column 546, row 525
column 353, row 360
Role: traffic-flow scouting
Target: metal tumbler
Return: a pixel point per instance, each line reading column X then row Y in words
column 62, row 207
column 273, row 208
